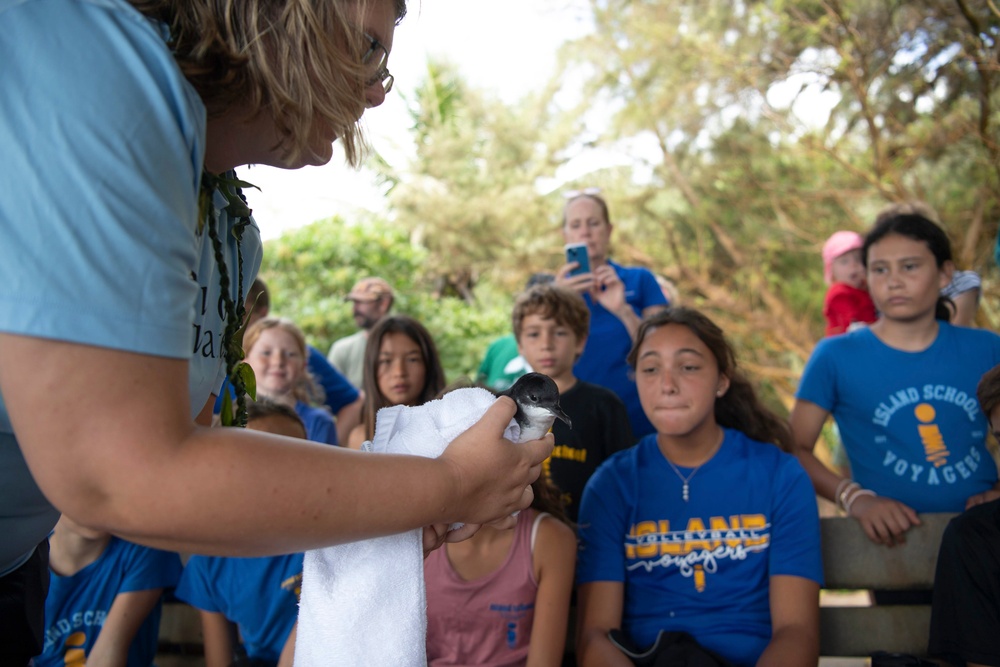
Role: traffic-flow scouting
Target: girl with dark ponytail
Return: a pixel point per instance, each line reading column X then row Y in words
column 903, row 391
column 920, row 228
column 704, row 511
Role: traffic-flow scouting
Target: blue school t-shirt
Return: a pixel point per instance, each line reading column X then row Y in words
column 701, row 566
column 319, row 423
column 603, row 361
column 77, row 606
column 260, row 595
column 99, row 210
column 909, row 421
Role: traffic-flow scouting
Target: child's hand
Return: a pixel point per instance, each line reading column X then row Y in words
column 437, row 534
column 884, row 520
column 434, row 536
column 980, row 498
column 492, row 475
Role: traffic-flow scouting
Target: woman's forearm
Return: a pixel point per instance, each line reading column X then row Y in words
column 124, row 456
column 242, row 493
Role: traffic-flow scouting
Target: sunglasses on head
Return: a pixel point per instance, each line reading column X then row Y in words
column 573, row 194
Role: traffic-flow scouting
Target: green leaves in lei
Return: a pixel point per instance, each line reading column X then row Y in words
column 241, row 376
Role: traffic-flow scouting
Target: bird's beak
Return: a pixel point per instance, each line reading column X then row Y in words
column 557, row 411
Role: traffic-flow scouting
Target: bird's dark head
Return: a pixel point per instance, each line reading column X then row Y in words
column 537, row 398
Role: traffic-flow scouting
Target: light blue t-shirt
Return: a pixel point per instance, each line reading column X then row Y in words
column 909, row 421
column 77, row 606
column 703, row 565
column 103, row 141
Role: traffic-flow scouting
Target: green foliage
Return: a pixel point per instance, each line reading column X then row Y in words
column 747, row 186
column 244, row 370
column 471, row 200
column 310, row 270
column 462, row 330
column 765, row 125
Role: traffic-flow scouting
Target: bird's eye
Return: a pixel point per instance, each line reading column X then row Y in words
column 533, row 398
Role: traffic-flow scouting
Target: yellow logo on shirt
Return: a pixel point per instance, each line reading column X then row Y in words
column 294, row 584
column 930, row 435
column 696, row 549
column 75, row 655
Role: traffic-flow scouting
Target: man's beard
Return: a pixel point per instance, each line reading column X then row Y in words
column 366, row 322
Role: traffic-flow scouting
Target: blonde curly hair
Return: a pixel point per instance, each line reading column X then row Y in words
column 297, row 60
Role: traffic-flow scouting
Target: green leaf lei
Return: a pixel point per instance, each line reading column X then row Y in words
column 241, row 376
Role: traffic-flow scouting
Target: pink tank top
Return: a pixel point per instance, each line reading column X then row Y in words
column 486, row 621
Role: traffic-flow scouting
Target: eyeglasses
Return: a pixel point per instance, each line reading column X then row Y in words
column 377, row 57
column 573, row 194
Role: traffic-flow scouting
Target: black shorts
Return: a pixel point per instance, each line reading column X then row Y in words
column 965, row 617
column 22, row 609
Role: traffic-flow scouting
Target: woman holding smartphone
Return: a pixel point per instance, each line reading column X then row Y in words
column 618, row 298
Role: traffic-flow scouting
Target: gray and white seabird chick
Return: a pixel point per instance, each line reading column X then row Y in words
column 537, row 399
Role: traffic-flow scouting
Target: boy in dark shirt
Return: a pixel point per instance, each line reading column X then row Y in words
column 966, row 605
column 550, row 325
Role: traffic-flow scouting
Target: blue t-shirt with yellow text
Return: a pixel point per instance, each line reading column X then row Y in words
column 701, row 566
column 77, row 606
column 909, row 421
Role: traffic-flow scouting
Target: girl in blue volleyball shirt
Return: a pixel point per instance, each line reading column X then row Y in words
column 903, row 391
column 705, row 526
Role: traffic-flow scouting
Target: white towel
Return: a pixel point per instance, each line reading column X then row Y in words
column 364, row 603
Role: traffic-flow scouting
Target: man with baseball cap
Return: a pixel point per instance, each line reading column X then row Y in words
column 372, row 299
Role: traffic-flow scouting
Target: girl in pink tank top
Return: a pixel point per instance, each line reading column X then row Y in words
column 501, row 598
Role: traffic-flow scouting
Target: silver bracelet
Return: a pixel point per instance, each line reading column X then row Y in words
column 846, row 493
column 840, row 489
column 854, row 496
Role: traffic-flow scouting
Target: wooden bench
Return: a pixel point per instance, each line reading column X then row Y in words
column 181, row 643
column 852, row 562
